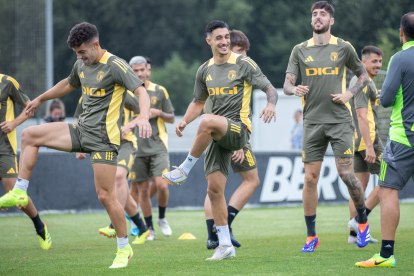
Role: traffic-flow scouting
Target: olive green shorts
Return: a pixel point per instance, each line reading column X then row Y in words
column 126, row 155
column 8, row 166
column 360, row 165
column 218, row 153
column 317, row 136
column 83, row 141
column 249, row 162
column 145, row 167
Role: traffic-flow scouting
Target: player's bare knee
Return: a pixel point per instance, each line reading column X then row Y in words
column 103, row 196
column 27, row 136
column 311, row 180
column 119, row 180
column 205, row 123
column 213, row 193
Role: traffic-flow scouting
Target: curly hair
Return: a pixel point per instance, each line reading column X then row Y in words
column 82, row 33
column 215, row 24
column 324, row 5
column 238, row 38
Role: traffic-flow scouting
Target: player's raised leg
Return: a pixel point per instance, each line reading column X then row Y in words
column 310, row 202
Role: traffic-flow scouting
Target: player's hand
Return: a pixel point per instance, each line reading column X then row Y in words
column 32, row 106
column 80, row 155
column 268, row 113
column 125, row 130
column 370, row 155
column 238, row 156
column 300, row 90
column 179, row 128
column 145, row 130
column 342, row 98
column 8, row 127
column 154, row 113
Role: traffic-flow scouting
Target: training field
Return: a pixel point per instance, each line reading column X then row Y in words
column 271, row 242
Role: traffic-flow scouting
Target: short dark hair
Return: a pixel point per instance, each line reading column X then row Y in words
column 324, row 5
column 407, row 25
column 82, row 33
column 238, row 38
column 367, row 50
column 147, row 59
column 215, row 24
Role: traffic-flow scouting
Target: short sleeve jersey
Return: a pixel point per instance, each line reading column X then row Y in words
column 131, row 107
column 229, row 86
column 323, row 69
column 158, row 142
column 367, row 98
column 104, row 85
column 10, row 93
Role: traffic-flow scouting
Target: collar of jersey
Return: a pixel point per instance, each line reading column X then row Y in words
column 232, row 59
column 333, row 40
column 408, row 45
column 105, row 57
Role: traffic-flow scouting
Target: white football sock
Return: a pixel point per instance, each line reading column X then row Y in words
column 122, row 242
column 224, row 235
column 188, row 164
column 21, row 184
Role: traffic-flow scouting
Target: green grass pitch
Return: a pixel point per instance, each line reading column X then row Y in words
column 271, row 242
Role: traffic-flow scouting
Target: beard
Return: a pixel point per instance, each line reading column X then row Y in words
column 323, row 30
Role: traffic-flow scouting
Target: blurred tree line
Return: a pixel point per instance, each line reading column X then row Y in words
column 172, row 33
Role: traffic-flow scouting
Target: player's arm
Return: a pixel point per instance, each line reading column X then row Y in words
column 142, row 121
column 60, row 89
column 269, row 112
column 392, row 82
column 364, row 128
column 289, row 87
column 8, row 127
column 193, row 110
column 168, row 117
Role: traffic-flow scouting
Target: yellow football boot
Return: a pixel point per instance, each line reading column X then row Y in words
column 108, row 231
column 140, row 239
column 14, row 198
column 378, row 261
column 123, row 256
column 47, row 242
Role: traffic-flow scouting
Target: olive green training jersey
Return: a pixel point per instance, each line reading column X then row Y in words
column 158, row 142
column 367, row 98
column 104, row 85
column 229, row 86
column 323, row 69
column 10, row 93
column 131, row 107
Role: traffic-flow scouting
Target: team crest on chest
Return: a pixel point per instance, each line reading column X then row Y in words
column 232, row 75
column 99, row 77
column 153, row 100
column 334, row 56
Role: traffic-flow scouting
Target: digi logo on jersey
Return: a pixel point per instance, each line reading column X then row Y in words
column 322, row 71
column 92, row 91
column 222, row 91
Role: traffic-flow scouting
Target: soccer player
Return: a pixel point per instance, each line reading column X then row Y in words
column 243, row 162
column 226, row 80
column 11, row 93
column 126, row 155
column 104, row 79
column 321, row 61
column 397, row 164
column 152, row 158
column 368, row 144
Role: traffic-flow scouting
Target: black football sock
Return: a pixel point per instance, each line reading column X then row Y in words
column 139, row 223
column 111, row 226
column 148, row 222
column 362, row 215
column 211, row 235
column 161, row 212
column 231, row 214
column 387, row 249
column 39, row 226
column 368, row 211
column 310, row 224
column 352, row 233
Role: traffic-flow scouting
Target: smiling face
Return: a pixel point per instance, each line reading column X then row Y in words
column 87, row 52
column 219, row 40
column 372, row 63
column 321, row 21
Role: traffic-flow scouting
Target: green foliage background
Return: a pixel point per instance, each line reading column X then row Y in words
column 172, row 34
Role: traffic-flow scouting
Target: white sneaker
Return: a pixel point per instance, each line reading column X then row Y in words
column 152, row 235
column 352, row 239
column 176, row 176
column 165, row 227
column 223, row 252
